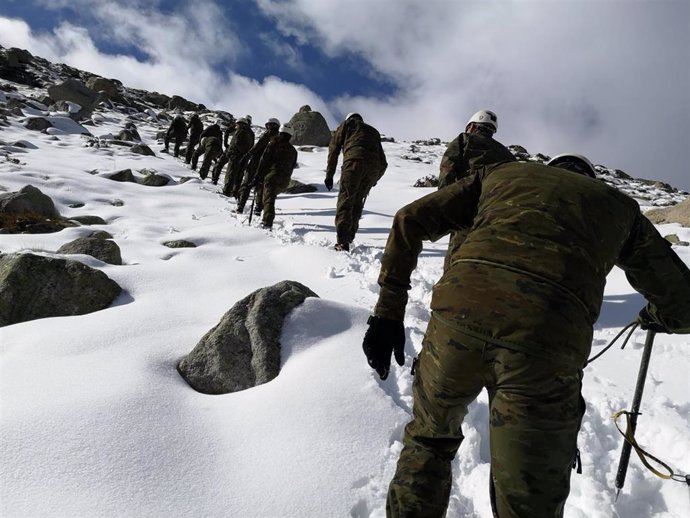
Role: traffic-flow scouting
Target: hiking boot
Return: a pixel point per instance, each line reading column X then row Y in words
column 267, row 226
column 239, row 209
column 342, row 247
column 257, row 212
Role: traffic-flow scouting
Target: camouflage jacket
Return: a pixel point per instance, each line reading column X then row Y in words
column 195, row 127
column 212, row 131
column 178, row 127
column 357, row 140
column 531, row 273
column 279, row 158
column 241, row 142
column 255, row 153
column 468, row 153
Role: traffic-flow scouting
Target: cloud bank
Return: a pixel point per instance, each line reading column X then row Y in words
column 604, row 78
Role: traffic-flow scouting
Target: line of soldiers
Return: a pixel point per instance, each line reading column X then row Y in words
column 267, row 164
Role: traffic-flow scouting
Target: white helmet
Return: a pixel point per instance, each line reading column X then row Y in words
column 286, row 128
column 485, row 117
column 248, row 118
column 242, row 120
column 353, row 114
column 573, row 162
column 273, row 120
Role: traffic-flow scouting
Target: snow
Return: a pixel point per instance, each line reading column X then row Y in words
column 96, row 422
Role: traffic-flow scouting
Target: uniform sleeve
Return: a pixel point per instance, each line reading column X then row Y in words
column 451, row 160
column 428, row 218
column 657, row 272
column 334, row 148
column 266, row 160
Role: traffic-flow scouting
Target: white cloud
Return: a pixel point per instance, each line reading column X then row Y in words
column 606, row 79
column 181, row 50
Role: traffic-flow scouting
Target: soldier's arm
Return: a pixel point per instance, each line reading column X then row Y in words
column 657, row 272
column 451, row 160
column 264, row 162
column 428, row 218
column 334, row 148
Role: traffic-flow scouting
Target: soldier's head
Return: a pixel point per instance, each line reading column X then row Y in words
column 574, row 163
column 242, row 121
column 286, row 131
column 354, row 115
column 248, row 118
column 195, row 116
column 484, row 122
column 272, row 124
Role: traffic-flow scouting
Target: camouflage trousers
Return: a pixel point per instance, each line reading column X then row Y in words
column 247, row 183
column 233, row 176
column 210, row 154
column 273, row 185
column 191, row 145
column 535, row 411
column 355, row 184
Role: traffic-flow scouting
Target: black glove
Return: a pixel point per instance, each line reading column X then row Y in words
column 647, row 322
column 328, row 182
column 383, row 337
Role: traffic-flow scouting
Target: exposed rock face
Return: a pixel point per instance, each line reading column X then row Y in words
column 142, row 149
column 155, row 180
column 243, row 350
column 677, row 214
column 17, row 57
column 102, row 249
column 28, row 199
column 310, row 128
column 38, row 124
column 101, row 84
column 125, row 175
column 32, row 287
column 179, row 243
column 297, row 187
column 180, row 102
column 75, row 91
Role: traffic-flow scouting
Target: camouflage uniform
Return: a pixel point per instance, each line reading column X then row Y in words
column 250, row 177
column 276, row 166
column 242, row 141
column 211, row 148
column 195, row 129
column 514, row 313
column 177, row 132
column 465, row 155
column 364, row 163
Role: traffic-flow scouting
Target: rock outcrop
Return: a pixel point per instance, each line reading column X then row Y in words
column 243, row 350
column 33, row 286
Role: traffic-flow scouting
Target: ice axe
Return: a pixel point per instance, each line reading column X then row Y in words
column 634, row 412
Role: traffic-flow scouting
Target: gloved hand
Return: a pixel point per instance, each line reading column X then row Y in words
column 384, row 336
column 647, row 322
column 328, row 182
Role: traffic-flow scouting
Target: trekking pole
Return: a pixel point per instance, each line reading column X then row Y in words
column 251, row 208
column 634, row 412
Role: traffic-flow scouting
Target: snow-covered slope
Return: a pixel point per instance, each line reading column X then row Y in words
column 96, row 422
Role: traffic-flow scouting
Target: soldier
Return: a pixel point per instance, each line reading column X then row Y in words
column 229, row 130
column 514, row 314
column 242, row 141
column 253, row 158
column 196, row 127
column 364, row 163
column 177, row 132
column 211, row 147
column 467, row 153
column 274, row 171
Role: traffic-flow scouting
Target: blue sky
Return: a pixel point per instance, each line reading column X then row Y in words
column 606, row 78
